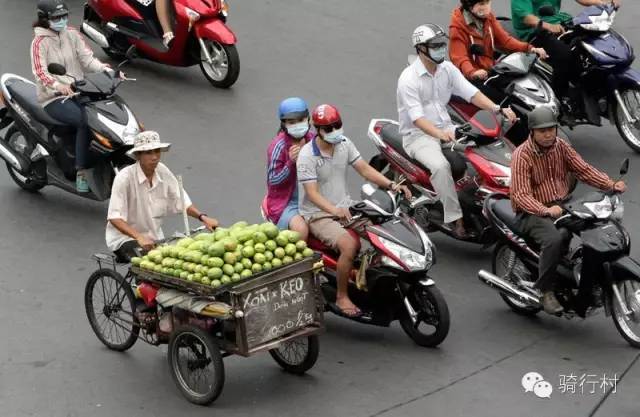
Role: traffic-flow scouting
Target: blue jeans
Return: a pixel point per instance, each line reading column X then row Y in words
column 73, row 114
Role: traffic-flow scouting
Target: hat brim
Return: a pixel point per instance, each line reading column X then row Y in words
column 58, row 13
column 164, row 147
column 544, row 125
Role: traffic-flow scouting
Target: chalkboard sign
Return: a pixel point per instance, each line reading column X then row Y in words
column 279, row 308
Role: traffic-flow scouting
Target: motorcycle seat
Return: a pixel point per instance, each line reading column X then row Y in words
column 390, row 133
column 25, row 95
column 503, row 210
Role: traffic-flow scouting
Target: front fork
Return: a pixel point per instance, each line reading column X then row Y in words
column 627, row 115
column 413, row 314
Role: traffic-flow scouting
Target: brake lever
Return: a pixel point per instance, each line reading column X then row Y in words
column 69, row 96
column 561, row 218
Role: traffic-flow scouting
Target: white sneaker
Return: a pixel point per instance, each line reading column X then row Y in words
column 167, row 38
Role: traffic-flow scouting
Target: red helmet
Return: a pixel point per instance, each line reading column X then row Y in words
column 326, row 115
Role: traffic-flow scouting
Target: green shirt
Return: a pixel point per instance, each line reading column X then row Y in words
column 522, row 8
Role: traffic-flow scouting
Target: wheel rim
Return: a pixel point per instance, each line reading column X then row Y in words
column 193, row 364
column 219, row 66
column 519, row 273
column 293, row 352
column 113, row 319
column 427, row 319
column 631, row 99
column 630, row 293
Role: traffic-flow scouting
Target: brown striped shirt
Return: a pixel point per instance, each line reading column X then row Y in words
column 540, row 178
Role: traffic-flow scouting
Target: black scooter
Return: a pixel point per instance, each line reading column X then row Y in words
column 596, row 271
column 40, row 151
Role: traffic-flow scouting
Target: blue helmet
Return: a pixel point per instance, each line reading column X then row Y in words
column 293, row 108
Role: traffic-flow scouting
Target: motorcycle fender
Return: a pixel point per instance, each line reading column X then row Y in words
column 215, row 30
column 625, row 268
column 629, row 76
column 427, row 282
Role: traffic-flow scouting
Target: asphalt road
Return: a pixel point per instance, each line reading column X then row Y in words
column 344, row 52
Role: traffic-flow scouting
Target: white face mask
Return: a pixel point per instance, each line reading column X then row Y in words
column 336, row 136
column 298, row 130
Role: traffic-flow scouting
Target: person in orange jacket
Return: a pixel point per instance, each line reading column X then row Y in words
column 474, row 23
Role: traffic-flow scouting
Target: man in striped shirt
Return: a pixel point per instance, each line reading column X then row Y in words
column 541, row 169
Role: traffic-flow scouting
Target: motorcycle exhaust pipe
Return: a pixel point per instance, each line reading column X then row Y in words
column 506, row 288
column 95, row 34
column 14, row 160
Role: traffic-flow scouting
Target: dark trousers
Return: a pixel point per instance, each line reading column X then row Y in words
column 73, row 114
column 552, row 246
column 128, row 250
column 560, row 59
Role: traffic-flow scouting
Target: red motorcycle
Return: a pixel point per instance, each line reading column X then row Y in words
column 479, row 158
column 201, row 35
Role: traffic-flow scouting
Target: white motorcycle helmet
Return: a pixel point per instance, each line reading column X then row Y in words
column 427, row 37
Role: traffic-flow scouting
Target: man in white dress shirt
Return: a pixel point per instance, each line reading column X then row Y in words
column 142, row 194
column 424, row 89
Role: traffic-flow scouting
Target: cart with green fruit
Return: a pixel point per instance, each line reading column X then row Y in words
column 237, row 291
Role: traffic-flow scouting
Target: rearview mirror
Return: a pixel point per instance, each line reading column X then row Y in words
column 477, row 49
column 625, row 167
column 56, row 69
column 546, row 11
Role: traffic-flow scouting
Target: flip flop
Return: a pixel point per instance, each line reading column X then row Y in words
column 356, row 312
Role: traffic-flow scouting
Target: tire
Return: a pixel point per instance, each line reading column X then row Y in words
column 426, row 298
column 628, row 290
column 116, row 292
column 205, row 353
column 300, row 364
column 27, row 182
column 498, row 266
column 630, row 133
column 226, row 57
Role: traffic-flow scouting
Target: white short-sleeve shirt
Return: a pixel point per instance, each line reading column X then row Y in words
column 329, row 171
column 422, row 94
column 142, row 205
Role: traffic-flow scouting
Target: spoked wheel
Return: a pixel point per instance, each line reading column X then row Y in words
column 506, row 262
column 110, row 304
column 196, row 364
column 29, row 182
column 297, row 356
column 428, row 322
column 630, row 131
column 224, row 68
column 628, row 326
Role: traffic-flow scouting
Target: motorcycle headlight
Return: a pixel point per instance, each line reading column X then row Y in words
column 618, row 209
column 601, row 209
column 129, row 135
column 413, row 260
column 503, row 180
column 224, row 8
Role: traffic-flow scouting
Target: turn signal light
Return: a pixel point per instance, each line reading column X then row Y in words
column 103, row 140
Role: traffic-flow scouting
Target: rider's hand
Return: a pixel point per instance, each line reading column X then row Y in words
column 404, row 190
column 342, row 213
column 209, row 223
column 64, row 89
column 555, row 211
column 480, row 75
column 146, row 243
column 556, row 29
column 446, row 135
column 509, row 114
column 620, row 187
column 294, row 150
column 540, row 52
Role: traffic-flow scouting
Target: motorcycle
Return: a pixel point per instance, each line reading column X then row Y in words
column 596, row 271
column 607, row 86
column 479, row 159
column 526, row 89
column 39, row 150
column 390, row 281
column 201, row 34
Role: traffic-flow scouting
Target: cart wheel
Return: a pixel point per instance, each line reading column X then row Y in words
column 298, row 355
column 110, row 303
column 196, row 364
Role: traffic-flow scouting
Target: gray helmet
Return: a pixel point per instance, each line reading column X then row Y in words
column 49, row 9
column 542, row 117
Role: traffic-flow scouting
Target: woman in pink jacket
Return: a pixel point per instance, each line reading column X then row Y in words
column 281, row 203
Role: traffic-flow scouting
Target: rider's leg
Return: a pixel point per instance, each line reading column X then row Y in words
column 348, row 247
column 428, row 151
column 298, row 224
column 73, row 114
column 560, row 59
column 162, row 9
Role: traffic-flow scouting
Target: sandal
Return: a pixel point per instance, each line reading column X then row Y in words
column 348, row 313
